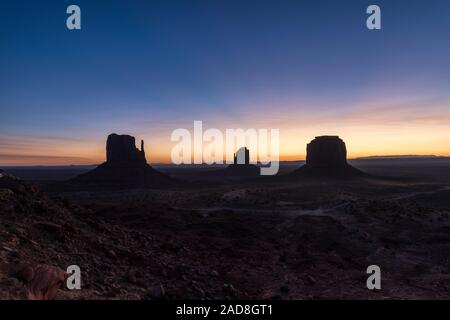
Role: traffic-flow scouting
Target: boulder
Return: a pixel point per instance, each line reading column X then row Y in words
column 41, row 281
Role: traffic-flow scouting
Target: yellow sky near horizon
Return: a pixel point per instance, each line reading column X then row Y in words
column 360, row 140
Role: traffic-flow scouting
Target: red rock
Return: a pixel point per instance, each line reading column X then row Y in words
column 45, row 283
column 25, row 273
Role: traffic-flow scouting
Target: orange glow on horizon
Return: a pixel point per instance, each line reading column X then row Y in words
column 292, row 147
column 386, row 128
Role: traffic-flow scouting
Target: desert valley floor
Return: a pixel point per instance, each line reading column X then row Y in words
column 278, row 238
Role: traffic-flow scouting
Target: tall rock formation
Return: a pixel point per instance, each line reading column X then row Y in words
column 241, row 166
column 242, row 156
column 125, row 167
column 326, row 156
column 121, row 149
column 326, row 151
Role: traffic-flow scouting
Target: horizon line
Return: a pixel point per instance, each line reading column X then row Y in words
column 371, row 157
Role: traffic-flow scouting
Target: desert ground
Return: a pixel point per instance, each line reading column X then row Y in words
column 281, row 237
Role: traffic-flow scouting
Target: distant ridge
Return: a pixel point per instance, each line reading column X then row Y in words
column 399, row 157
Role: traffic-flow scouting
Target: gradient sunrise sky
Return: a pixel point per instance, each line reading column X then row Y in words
column 146, row 68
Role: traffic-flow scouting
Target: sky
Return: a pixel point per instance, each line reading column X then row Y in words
column 146, row 68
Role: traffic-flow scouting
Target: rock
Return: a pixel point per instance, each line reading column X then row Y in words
column 284, row 289
column 310, row 279
column 19, row 189
column 283, row 257
column 326, row 151
column 25, row 273
column 242, row 156
column 326, row 156
column 214, row 273
column 131, row 277
column 112, row 253
column 49, row 227
column 7, row 249
column 229, row 288
column 5, row 194
column 241, row 166
column 121, row 149
column 200, row 291
column 45, row 281
column 156, row 292
column 10, row 182
column 125, row 168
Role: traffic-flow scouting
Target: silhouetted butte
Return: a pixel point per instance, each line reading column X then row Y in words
column 326, row 156
column 241, row 165
column 125, row 167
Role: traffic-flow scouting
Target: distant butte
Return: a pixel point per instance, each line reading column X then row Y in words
column 326, row 156
column 241, row 166
column 121, row 150
column 125, row 167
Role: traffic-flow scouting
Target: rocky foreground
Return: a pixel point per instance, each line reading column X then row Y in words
column 279, row 241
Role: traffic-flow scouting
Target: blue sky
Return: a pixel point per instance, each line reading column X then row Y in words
column 149, row 67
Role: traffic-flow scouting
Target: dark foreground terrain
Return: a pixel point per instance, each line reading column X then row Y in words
column 278, row 239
